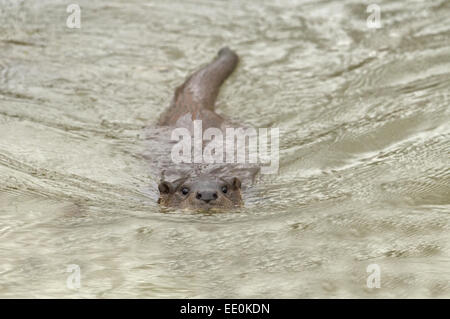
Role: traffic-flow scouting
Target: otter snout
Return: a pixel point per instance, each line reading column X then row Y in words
column 202, row 192
column 206, row 196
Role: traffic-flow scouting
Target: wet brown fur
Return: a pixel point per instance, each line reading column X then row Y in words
column 196, row 97
column 195, row 100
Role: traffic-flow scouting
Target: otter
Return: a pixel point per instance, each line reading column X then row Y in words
column 203, row 187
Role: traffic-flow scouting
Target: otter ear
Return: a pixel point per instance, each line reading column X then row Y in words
column 165, row 187
column 236, row 183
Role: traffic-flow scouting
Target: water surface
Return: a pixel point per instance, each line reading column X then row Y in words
column 364, row 149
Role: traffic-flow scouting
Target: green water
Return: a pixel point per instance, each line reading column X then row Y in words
column 364, row 174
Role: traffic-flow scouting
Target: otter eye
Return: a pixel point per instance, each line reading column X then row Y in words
column 224, row 189
column 185, row 190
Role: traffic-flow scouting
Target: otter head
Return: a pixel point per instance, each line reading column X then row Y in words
column 202, row 193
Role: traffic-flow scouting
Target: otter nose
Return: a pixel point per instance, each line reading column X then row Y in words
column 206, row 196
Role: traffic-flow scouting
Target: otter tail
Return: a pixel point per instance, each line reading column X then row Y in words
column 200, row 90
